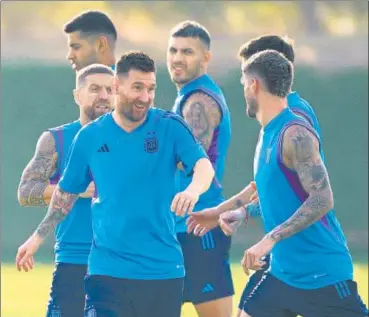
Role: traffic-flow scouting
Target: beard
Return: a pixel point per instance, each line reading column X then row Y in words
column 133, row 111
column 186, row 75
column 252, row 107
column 98, row 109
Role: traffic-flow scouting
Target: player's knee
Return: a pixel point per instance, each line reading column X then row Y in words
column 239, row 313
column 216, row 308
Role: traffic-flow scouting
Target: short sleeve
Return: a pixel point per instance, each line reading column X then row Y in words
column 76, row 176
column 188, row 149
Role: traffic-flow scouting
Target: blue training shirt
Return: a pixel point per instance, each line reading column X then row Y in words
column 303, row 109
column 134, row 173
column 74, row 234
column 217, row 151
column 317, row 256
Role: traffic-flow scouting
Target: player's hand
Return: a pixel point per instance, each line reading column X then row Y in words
column 231, row 220
column 252, row 258
column 255, row 196
column 89, row 193
column 184, row 202
column 203, row 221
column 24, row 258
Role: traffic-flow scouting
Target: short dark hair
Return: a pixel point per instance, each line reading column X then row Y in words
column 273, row 69
column 91, row 70
column 91, row 23
column 268, row 42
column 192, row 29
column 135, row 60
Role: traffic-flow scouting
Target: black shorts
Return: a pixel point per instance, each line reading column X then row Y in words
column 67, row 296
column 254, row 279
column 115, row 297
column 273, row 298
column 208, row 272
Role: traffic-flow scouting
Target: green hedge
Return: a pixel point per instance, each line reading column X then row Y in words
column 37, row 97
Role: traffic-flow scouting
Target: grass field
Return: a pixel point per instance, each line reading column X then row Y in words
column 26, row 294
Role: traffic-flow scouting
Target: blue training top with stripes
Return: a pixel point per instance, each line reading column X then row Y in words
column 134, row 173
column 74, row 234
column 317, row 256
column 218, row 148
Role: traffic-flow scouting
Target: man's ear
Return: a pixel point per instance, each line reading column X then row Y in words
column 76, row 95
column 102, row 44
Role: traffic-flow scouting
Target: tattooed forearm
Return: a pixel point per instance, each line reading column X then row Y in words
column 202, row 114
column 238, row 200
column 36, row 195
column 311, row 211
column 238, row 203
column 60, row 205
column 35, row 177
column 301, row 153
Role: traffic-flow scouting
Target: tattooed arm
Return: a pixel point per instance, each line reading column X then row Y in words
column 239, row 200
column 202, row 113
column 60, row 205
column 34, row 188
column 75, row 180
column 301, row 153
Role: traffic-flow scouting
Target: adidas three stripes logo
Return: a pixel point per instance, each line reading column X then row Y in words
column 103, row 148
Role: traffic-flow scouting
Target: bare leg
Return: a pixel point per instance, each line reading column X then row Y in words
column 244, row 314
column 221, row 307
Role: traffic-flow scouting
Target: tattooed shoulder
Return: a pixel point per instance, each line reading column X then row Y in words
column 202, row 113
column 44, row 160
column 301, row 153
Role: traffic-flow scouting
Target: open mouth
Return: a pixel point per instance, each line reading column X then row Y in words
column 178, row 69
column 139, row 107
column 102, row 107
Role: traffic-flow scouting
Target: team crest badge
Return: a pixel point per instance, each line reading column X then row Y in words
column 151, row 145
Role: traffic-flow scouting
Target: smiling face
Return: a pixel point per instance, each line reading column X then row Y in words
column 95, row 95
column 136, row 93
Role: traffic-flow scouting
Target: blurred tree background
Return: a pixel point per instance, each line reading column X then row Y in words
column 34, row 29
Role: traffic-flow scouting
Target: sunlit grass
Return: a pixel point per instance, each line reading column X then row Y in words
column 26, row 294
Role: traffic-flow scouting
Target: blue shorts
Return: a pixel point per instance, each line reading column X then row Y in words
column 67, row 296
column 117, row 297
column 254, row 280
column 273, row 298
column 208, row 272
